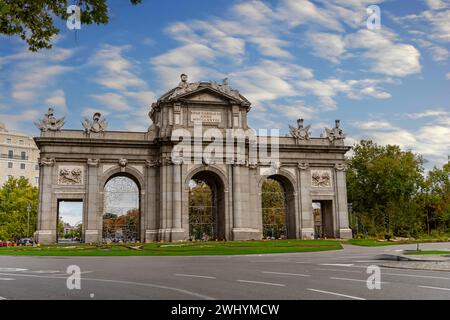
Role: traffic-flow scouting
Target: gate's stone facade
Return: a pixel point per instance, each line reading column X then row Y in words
column 76, row 164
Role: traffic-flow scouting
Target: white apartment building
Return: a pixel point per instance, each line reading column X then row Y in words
column 18, row 156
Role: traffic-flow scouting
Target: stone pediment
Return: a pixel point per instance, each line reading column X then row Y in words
column 205, row 92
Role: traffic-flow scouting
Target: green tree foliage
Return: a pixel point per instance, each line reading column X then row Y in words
column 15, row 196
column 390, row 194
column 33, row 20
column 201, row 215
column 273, row 209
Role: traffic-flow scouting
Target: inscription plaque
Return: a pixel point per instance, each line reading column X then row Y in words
column 206, row 116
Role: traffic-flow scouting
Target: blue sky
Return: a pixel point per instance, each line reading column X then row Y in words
column 314, row 59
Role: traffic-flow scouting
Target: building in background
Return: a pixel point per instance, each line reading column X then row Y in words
column 18, row 156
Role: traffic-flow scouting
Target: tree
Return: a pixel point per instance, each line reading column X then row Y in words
column 32, row 20
column 15, row 197
column 383, row 183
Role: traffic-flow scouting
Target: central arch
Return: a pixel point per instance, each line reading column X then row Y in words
column 206, row 206
column 121, row 209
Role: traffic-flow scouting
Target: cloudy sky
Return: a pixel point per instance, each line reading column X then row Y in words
column 314, row 59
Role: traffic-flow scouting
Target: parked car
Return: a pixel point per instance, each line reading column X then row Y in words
column 26, row 242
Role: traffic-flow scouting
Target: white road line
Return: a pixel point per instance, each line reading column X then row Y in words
column 338, row 270
column 4, row 269
column 287, row 274
column 6, row 279
column 337, row 294
column 337, row 264
column 367, row 261
column 2, row 298
column 435, row 288
column 193, row 276
column 358, row 280
column 265, row 283
column 414, row 276
column 119, row 282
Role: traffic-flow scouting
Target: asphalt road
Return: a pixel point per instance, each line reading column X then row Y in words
column 320, row 275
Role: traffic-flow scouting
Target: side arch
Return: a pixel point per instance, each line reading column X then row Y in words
column 289, row 184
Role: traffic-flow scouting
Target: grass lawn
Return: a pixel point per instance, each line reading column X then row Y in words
column 377, row 243
column 179, row 249
column 428, row 252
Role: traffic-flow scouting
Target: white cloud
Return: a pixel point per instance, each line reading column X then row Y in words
column 57, row 100
column 439, row 53
column 16, row 121
column 373, row 125
column 116, row 71
column 112, row 100
column 384, row 54
column 32, row 78
column 89, row 112
column 327, row 45
column 436, row 4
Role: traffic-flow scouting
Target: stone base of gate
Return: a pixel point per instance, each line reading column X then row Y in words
column 45, row 236
column 307, row 233
column 345, row 233
column 92, row 236
column 246, row 234
column 165, row 235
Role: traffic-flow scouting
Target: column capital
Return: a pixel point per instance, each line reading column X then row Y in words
column 340, row 167
column 152, row 163
column 50, row 162
column 303, row 165
column 93, row 162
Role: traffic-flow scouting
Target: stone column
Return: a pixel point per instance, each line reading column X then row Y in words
column 166, row 198
column 243, row 225
column 177, row 229
column 341, row 196
column 151, row 232
column 94, row 224
column 47, row 228
column 307, row 220
column 237, row 202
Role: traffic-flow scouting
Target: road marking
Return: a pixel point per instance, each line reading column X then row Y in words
column 194, row 276
column 119, row 282
column 414, row 275
column 11, row 269
column 287, row 274
column 337, row 294
column 358, row 280
column 367, row 261
column 435, row 288
column 338, row 270
column 265, row 283
column 2, row 298
column 6, row 279
column 337, row 264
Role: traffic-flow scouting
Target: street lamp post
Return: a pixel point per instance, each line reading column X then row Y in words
column 28, row 219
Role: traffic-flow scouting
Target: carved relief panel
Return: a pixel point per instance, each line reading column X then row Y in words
column 70, row 175
column 321, row 178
